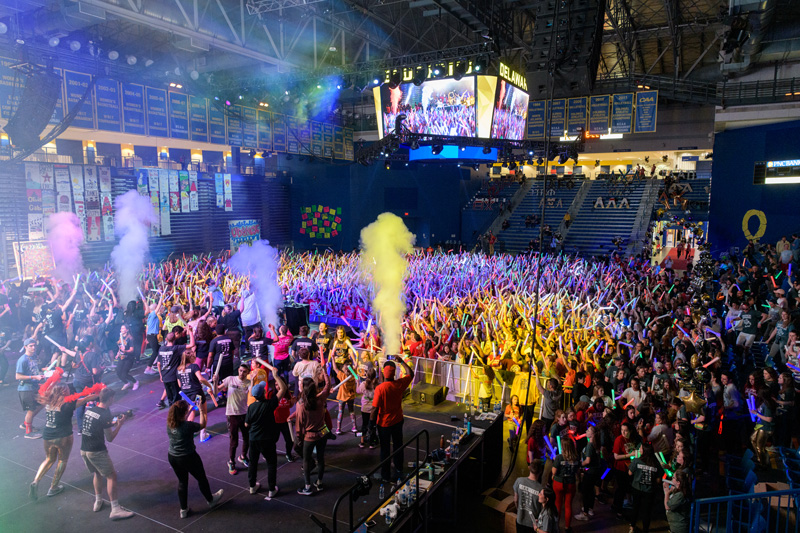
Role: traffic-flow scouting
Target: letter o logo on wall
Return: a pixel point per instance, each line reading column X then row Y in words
column 762, row 224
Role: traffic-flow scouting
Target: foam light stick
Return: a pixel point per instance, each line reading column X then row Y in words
column 558, row 441
column 605, row 473
column 720, row 424
column 189, row 401
column 552, row 451
column 794, row 368
column 751, row 404
column 711, row 362
column 57, row 345
column 342, row 383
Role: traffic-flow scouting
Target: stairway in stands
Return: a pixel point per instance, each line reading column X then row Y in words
column 697, row 192
column 558, row 200
column 593, row 229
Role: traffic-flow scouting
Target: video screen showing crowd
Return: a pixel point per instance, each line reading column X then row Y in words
column 437, row 107
column 642, row 374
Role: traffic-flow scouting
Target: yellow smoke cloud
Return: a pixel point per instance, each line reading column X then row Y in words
column 384, row 245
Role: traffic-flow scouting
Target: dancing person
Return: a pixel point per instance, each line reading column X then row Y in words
column 29, row 375
column 183, row 456
column 312, row 431
column 237, row 388
column 152, row 329
column 260, row 420
column 125, row 358
column 282, row 414
column 346, row 396
column 281, row 340
column 526, row 497
column 97, row 428
column 57, row 436
column 191, row 382
column 388, row 415
column 220, row 355
column 366, row 389
column 565, row 472
column 590, row 464
column 170, row 356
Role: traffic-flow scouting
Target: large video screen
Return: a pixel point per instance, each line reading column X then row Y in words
column 510, row 112
column 436, row 107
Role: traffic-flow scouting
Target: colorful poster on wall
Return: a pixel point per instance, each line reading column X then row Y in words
column 164, row 201
column 76, row 178
column 316, row 138
column 174, row 192
column 219, row 190
column 536, row 119
column 622, row 113
column 327, row 140
column 320, row 221
column 80, row 209
column 142, row 181
column 194, row 194
column 63, row 190
column 94, row 220
column 228, row 187
column 33, row 258
column 104, row 178
column 154, row 178
column 646, row 111
column 108, row 109
column 183, row 177
column 94, row 226
column 599, row 114
column 106, row 204
column 243, row 232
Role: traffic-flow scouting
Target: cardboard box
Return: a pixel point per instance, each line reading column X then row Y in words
column 503, row 502
column 779, row 506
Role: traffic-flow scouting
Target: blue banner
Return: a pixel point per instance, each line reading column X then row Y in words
column 216, row 125
column 264, row 130
column 178, row 115
column 278, row 132
column 10, row 88
column 249, row 127
column 622, row 113
column 338, row 142
column 599, row 113
column 646, row 111
column 558, row 118
column 76, row 84
column 536, row 119
column 198, row 114
column 576, row 116
column 157, row 125
column 58, row 112
column 292, row 136
column 327, row 140
column 316, row 138
column 107, row 97
column 234, row 125
column 133, row 108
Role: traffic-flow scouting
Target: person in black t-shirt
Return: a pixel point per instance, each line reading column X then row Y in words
column 57, row 436
column 183, row 456
column 259, row 343
column 169, row 357
column 220, row 354
column 264, row 433
column 191, row 383
column 97, row 427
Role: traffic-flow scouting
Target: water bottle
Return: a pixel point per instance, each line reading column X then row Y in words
column 455, row 450
column 388, row 519
column 381, row 493
column 497, row 408
column 466, row 420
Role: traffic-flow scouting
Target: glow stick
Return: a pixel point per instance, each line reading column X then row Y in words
column 720, row 424
column 189, row 401
column 605, row 473
column 140, row 294
column 711, row 362
column 70, row 352
column 796, row 369
column 552, row 451
column 342, row 383
column 350, row 368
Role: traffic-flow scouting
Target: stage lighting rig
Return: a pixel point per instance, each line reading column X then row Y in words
column 436, row 149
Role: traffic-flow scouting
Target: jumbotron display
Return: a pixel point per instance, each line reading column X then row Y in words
column 436, row 107
column 510, row 112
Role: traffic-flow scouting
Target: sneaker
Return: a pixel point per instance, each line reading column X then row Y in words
column 354, row 430
column 149, row 371
column 204, row 435
column 362, row 445
column 126, row 386
column 135, row 385
column 98, row 505
column 120, row 514
column 161, row 404
column 373, row 446
column 231, row 468
column 590, row 513
column 339, row 432
column 215, row 498
column 33, row 492
column 255, row 488
column 271, row 494
column 318, row 485
column 244, row 461
column 582, row 517
column 306, row 491
column 289, row 457
column 184, row 513
column 55, row 490
column 33, row 435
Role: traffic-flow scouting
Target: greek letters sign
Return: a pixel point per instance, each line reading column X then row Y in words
column 244, row 232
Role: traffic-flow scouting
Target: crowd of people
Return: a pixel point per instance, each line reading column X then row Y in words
column 642, row 374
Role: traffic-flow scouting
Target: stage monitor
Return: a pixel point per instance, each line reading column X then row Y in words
column 436, row 107
column 510, row 112
column 777, row 172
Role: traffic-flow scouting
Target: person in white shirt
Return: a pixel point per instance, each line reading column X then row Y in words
column 235, row 411
column 633, row 394
column 249, row 312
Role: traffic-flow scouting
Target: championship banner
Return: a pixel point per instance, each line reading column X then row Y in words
column 622, row 113
column 646, row 111
column 243, row 232
column 599, row 114
column 33, row 258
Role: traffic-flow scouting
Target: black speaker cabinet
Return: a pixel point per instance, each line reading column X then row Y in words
column 35, row 109
column 427, row 393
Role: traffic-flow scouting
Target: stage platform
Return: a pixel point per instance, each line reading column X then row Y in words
column 148, row 486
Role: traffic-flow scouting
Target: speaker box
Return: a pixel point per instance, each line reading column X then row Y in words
column 427, row 393
column 35, row 109
column 296, row 316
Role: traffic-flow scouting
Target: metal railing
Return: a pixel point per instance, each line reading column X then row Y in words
column 361, row 487
column 772, row 512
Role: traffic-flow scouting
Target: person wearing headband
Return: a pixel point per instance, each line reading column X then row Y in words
column 387, row 414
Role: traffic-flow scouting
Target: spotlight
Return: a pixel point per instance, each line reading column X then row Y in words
column 74, row 45
column 487, row 149
column 394, row 79
column 148, row 63
column 439, row 69
column 113, row 55
column 252, row 153
column 540, row 161
column 264, row 154
column 338, row 85
column 512, row 165
column 387, row 166
column 476, row 167
column 530, row 152
column 376, row 79
column 479, row 65
column 414, row 144
column 319, row 86
column 131, row 60
column 54, row 41
column 286, row 93
column 436, row 149
column 227, row 102
column 462, row 148
column 419, row 76
column 3, row 28
column 194, row 75
column 459, row 70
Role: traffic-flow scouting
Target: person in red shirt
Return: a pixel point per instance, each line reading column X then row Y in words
column 387, row 414
column 282, row 420
column 624, row 448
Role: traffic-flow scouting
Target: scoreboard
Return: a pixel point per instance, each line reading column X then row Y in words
column 776, row 172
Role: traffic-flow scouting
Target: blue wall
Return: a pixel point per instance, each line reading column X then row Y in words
column 733, row 193
column 428, row 198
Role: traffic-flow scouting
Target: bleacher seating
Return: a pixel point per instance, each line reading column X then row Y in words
column 491, row 193
column 593, row 229
column 697, row 192
column 558, row 199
